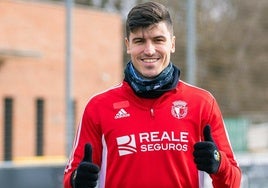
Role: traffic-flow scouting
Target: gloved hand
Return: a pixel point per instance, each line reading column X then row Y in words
column 206, row 154
column 86, row 175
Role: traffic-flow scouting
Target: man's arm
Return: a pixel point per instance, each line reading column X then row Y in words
column 210, row 159
column 87, row 132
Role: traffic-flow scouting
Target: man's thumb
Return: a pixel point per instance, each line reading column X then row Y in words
column 87, row 153
column 207, row 134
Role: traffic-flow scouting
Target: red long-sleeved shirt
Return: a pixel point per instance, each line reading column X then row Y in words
column 148, row 143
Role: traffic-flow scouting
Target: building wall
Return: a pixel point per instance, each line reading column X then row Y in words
column 32, row 65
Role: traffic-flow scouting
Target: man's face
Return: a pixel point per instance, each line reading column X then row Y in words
column 150, row 49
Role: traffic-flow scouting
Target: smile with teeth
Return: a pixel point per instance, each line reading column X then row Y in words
column 150, row 60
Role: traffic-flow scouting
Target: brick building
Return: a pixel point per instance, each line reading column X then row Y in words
column 32, row 72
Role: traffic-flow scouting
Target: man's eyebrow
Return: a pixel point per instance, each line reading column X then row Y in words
column 155, row 37
column 159, row 36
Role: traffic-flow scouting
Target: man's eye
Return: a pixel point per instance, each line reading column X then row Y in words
column 138, row 41
column 159, row 40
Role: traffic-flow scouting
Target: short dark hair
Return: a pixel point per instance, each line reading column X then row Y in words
column 146, row 14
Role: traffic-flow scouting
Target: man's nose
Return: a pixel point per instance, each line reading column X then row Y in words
column 149, row 48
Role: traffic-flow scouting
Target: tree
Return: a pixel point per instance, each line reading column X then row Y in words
column 231, row 52
column 233, row 55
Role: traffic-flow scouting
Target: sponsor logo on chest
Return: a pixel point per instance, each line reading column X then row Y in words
column 153, row 142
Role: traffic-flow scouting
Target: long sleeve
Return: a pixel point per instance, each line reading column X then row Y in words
column 229, row 173
column 228, row 176
column 87, row 132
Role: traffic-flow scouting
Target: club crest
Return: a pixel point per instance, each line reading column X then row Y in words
column 179, row 109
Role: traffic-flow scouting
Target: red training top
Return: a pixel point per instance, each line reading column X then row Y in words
column 148, row 143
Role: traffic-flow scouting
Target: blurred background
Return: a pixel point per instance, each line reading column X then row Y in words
column 56, row 54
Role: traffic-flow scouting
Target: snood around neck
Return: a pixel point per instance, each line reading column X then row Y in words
column 152, row 88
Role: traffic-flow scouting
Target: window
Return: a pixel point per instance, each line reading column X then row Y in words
column 39, row 148
column 8, row 121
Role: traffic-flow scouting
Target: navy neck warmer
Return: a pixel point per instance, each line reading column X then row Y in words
column 152, row 88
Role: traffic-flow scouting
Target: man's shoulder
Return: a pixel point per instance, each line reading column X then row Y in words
column 107, row 92
column 113, row 93
column 193, row 90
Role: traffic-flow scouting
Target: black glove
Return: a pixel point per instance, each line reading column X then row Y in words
column 206, row 154
column 86, row 175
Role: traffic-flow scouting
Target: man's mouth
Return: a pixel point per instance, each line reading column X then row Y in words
column 149, row 60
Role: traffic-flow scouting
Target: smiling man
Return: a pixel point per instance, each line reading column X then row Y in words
column 150, row 48
column 153, row 130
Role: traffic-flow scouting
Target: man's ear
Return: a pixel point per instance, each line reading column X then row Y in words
column 173, row 43
column 127, row 45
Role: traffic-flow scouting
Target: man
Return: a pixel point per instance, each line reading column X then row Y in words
column 153, row 130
